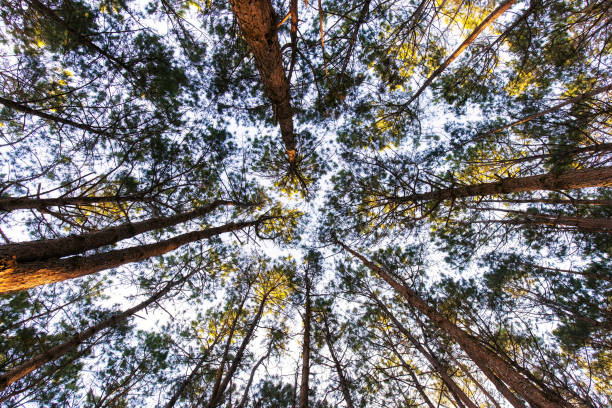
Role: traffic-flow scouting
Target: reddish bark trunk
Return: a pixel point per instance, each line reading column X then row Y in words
column 76, row 244
column 56, row 352
column 26, row 109
column 598, row 177
column 341, row 377
column 304, row 385
column 433, row 360
column 257, row 21
column 16, row 276
column 19, row 203
column 555, row 108
column 481, row 356
column 216, row 398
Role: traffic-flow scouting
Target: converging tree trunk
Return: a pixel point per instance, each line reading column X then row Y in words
column 258, row 22
column 215, row 398
column 552, row 109
column 75, row 244
column 433, row 360
column 19, row 276
column 341, row 376
column 598, row 177
column 23, row 203
column 304, row 385
column 54, row 118
column 481, row 356
column 72, row 343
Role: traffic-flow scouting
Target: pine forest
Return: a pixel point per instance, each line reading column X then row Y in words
column 306, row 203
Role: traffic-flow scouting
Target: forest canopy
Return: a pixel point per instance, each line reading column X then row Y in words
column 257, row 203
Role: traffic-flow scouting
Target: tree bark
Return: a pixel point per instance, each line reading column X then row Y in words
column 571, row 201
column 245, row 395
column 186, row 382
column 341, row 377
column 24, row 203
column 51, row 14
column 467, row 372
column 433, row 360
column 226, row 349
column 470, row 345
column 584, row 224
column 597, row 177
column 415, row 380
column 258, row 23
column 75, row 244
column 56, row 352
column 304, row 385
column 16, row 276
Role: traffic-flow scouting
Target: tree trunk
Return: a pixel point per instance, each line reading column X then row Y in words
column 467, row 372
column 226, row 349
column 485, row 23
column 304, row 387
column 16, row 276
column 258, row 23
column 215, row 399
column 413, row 376
column 470, row 345
column 341, row 378
column 56, row 352
column 75, row 244
column 433, row 360
column 22, row 203
column 83, row 40
column 571, row 201
column 598, row 177
column 185, row 383
column 584, row 224
column 245, row 395
column 360, row 20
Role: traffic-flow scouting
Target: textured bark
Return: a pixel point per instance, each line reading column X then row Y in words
column 596, row 148
column 502, row 388
column 74, row 244
column 304, row 385
column 22, row 203
column 360, row 20
column 16, row 276
column 467, row 372
column 433, row 360
column 257, row 21
column 341, row 377
column 485, row 23
column 571, row 201
column 56, row 352
column 583, row 224
column 481, row 356
column 598, row 177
